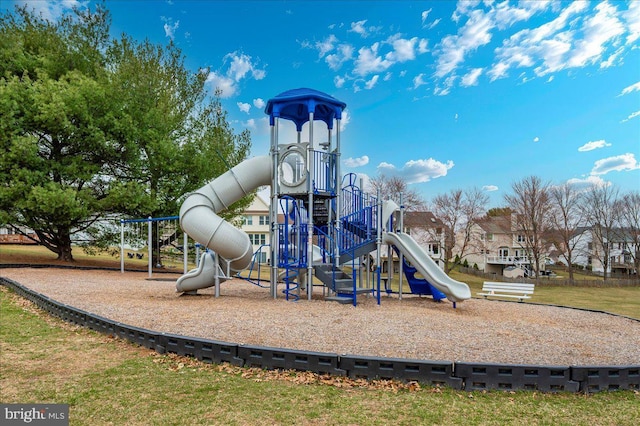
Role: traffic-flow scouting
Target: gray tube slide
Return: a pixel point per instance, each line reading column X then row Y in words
column 199, row 219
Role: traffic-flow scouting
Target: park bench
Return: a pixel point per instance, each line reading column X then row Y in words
column 519, row 291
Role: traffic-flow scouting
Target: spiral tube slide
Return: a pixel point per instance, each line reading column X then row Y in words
column 199, row 219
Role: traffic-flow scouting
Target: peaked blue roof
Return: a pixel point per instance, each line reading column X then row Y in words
column 296, row 104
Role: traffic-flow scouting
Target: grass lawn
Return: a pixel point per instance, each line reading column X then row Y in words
column 107, row 381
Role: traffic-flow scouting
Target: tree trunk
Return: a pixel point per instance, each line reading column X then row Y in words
column 64, row 247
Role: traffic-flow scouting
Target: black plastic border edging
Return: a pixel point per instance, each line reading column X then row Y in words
column 459, row 375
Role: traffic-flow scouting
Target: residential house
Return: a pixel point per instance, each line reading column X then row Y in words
column 12, row 235
column 428, row 231
column 255, row 222
column 497, row 247
column 623, row 248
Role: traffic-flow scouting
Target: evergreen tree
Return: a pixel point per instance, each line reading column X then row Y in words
column 94, row 127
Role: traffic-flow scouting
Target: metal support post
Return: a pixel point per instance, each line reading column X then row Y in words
column 401, row 256
column 311, row 171
column 150, row 243
column 185, row 252
column 122, row 246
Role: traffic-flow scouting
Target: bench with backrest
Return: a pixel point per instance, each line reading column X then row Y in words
column 519, row 291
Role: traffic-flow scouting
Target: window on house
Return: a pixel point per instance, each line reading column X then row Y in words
column 489, row 237
column 590, row 246
column 258, row 239
column 521, row 238
column 247, row 220
column 264, row 220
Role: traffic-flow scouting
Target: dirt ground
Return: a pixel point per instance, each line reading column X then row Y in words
column 415, row 328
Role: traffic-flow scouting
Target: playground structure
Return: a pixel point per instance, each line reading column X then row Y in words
column 329, row 222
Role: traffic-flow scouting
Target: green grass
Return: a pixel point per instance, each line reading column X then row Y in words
column 107, row 381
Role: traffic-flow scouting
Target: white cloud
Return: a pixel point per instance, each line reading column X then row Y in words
column 346, row 118
column 423, row 46
column 226, row 85
column 169, row 28
column 536, row 139
column 629, row 89
column 614, row 58
column 471, row 78
column 490, row 188
column 360, row 28
column 54, row 10
column 598, row 30
column 405, row 49
column 250, row 123
column 259, row 103
column 418, row 81
column 369, row 62
column 632, row 115
column 356, row 162
column 452, row 49
column 587, row 183
column 632, row 18
column 425, row 15
column 416, row 171
column 445, row 88
column 339, row 81
column 590, row 146
column 434, row 23
column 619, row 163
column 344, row 53
column 327, row 45
column 240, row 66
column 244, row 107
column 576, row 38
column 372, row 82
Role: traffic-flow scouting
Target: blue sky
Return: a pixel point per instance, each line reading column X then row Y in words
column 446, row 94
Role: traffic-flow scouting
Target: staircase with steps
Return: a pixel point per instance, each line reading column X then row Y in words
column 339, row 282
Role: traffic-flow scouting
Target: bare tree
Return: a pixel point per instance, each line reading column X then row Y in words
column 566, row 216
column 531, row 203
column 393, row 186
column 601, row 215
column 458, row 210
column 629, row 209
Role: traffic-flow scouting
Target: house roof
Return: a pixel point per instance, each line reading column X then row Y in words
column 495, row 224
column 422, row 220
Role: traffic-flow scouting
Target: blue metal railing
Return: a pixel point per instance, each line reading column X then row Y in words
column 324, row 172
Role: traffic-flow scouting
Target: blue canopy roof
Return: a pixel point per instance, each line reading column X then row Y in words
column 296, row 104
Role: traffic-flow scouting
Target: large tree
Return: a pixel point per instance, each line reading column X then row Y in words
column 93, row 127
column 458, row 210
column 566, row 217
column 181, row 135
column 601, row 211
column 530, row 202
column 390, row 187
column 629, row 218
